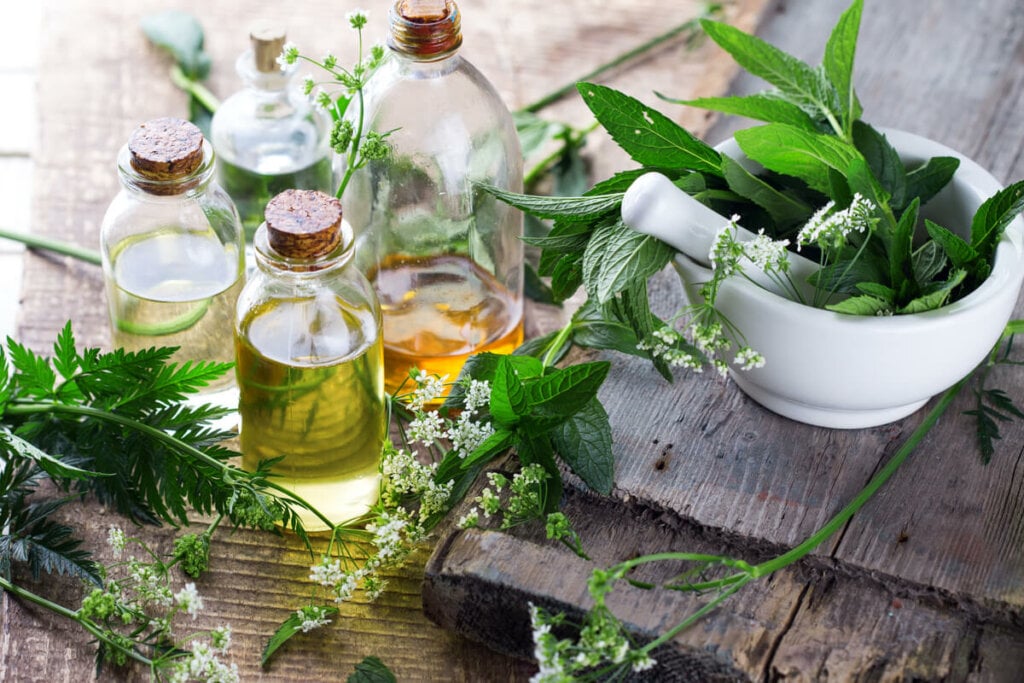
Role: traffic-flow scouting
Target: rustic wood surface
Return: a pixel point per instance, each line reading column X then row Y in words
column 927, row 581
column 98, row 78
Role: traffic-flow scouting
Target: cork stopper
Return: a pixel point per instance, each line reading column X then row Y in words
column 166, row 149
column 425, row 29
column 267, row 44
column 303, row 224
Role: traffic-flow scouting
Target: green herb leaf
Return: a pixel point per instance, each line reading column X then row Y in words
column 901, row 269
column 538, row 347
column 784, row 209
column 648, row 136
column 484, row 366
column 861, row 305
column 65, row 354
column 960, row 253
column 937, row 298
column 878, row 290
column 565, row 237
column 565, row 392
column 884, row 162
column 993, row 216
column 797, row 81
column 55, row 468
column 180, row 34
column 838, row 60
column 496, row 443
column 926, row 181
column 566, row 208
column 371, row 670
column 617, row 256
column 534, row 288
column 284, row 632
column 799, row 153
column 604, row 334
column 928, row 261
column 567, row 276
column 584, row 442
column 509, row 400
column 764, row 106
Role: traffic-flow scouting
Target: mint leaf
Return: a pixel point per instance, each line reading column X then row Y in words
column 567, row 276
column 564, row 392
column 585, row 444
column 928, row 261
column 604, row 334
column 798, row 82
column 877, row 290
column 567, row 208
column 936, row 298
column 993, row 216
column 901, row 269
column 795, row 152
column 926, row 181
column 764, row 106
column 484, row 366
column 960, row 253
column 884, row 162
column 838, row 61
column 181, row 35
column 564, row 237
column 861, row 305
column 509, row 401
column 784, row 209
column 617, row 256
column 648, row 136
column 371, row 670
column 290, row 626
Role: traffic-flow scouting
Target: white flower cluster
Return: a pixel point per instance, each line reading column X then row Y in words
column 829, row 229
column 665, row 344
column 404, row 477
column 525, row 501
column 726, row 252
column 312, row 617
column 429, row 388
column 189, row 600
column 202, row 664
column 767, row 254
column 602, row 641
column 117, row 540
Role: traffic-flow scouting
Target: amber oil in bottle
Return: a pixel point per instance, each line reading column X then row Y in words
column 309, row 360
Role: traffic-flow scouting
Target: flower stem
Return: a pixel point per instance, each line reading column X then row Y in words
column 691, row 26
column 56, row 246
column 556, row 344
column 87, row 624
column 195, row 89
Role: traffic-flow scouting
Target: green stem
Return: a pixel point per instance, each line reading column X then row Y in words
column 541, row 167
column 17, row 408
column 556, row 343
column 87, row 624
column 58, row 247
column 195, row 89
column 559, row 93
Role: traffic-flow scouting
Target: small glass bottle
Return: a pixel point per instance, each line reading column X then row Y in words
column 172, row 249
column 445, row 257
column 269, row 137
column 309, row 359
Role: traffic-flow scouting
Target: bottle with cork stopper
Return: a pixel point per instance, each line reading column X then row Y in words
column 171, row 242
column 309, row 359
column 268, row 136
column 444, row 256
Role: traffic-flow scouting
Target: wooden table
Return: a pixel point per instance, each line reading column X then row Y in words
column 926, row 582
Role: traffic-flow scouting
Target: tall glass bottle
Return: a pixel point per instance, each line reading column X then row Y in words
column 268, row 136
column 172, row 247
column 444, row 256
column 309, row 365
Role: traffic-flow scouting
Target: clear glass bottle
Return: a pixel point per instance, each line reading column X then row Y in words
column 445, row 257
column 309, row 359
column 269, row 137
column 171, row 241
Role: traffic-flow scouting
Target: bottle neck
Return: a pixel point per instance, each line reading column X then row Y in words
column 194, row 182
column 424, row 38
column 272, row 84
column 275, row 264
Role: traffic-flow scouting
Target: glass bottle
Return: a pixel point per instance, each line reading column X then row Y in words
column 269, row 137
column 171, row 242
column 445, row 257
column 309, row 359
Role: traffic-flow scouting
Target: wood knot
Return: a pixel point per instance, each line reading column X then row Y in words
column 303, row 224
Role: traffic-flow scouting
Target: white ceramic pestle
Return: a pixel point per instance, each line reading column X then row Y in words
column 654, row 206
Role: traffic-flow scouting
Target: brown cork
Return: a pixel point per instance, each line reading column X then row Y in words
column 166, row 149
column 267, row 45
column 425, row 29
column 303, row 224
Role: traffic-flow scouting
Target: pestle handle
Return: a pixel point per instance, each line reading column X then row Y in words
column 654, row 206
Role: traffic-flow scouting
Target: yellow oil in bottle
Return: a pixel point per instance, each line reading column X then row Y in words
column 314, row 397
column 440, row 310
column 156, row 298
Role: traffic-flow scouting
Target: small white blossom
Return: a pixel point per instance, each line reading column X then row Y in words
column 466, row 434
column 429, row 388
column 469, row 520
column 220, row 638
column 289, row 55
column 748, row 359
column 426, row 428
column 831, row 230
column 767, row 254
column 725, row 251
column 117, row 540
column 477, row 395
column 329, row 61
column 189, row 600
column 327, row 573
column 312, row 617
column 307, row 85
